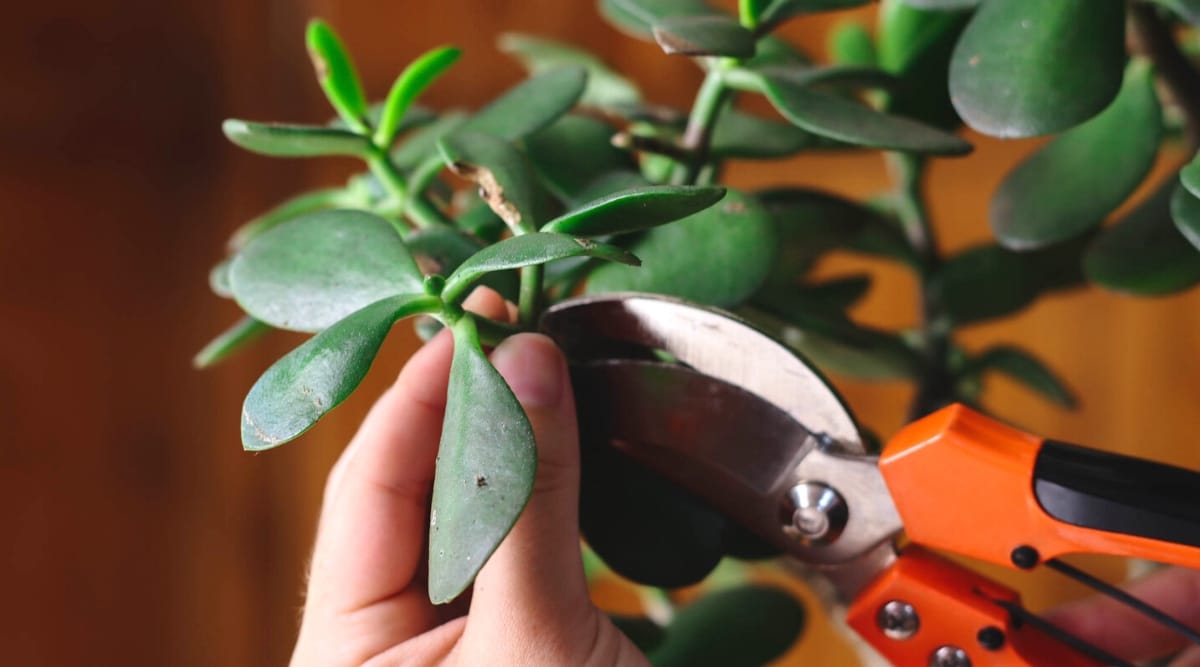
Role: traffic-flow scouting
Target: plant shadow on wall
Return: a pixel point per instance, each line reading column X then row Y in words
column 571, row 179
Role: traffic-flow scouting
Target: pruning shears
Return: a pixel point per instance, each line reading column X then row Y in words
column 738, row 420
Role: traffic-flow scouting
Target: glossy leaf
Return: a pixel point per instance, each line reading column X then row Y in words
column 501, row 170
column 314, row 378
column 854, row 123
column 605, row 88
column 1029, row 67
column 730, row 249
column 413, row 81
column 1026, row 369
column 573, row 152
column 527, row 250
column 218, row 279
column 983, row 283
column 743, row 135
column 749, row 11
column 294, row 140
column 486, row 465
column 607, row 184
column 1190, row 176
column 779, row 11
column 1144, row 253
column 716, row 35
column 307, row 202
column 1188, row 10
column 440, row 250
column 633, row 210
column 775, row 52
column 1185, row 211
column 637, row 17
column 1069, row 185
column 336, row 74
column 421, row 145
column 314, row 270
column 747, row 626
column 850, row 44
column 245, row 331
column 916, row 45
column 532, row 104
column 943, row 4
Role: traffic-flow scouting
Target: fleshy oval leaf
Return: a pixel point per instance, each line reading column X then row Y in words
column 419, row 75
column 1185, row 211
column 716, row 35
column 1027, row 370
column 336, row 74
column 486, row 465
column 280, row 140
column 532, row 104
column 314, row 378
column 746, row 626
column 313, row 270
column 242, row 333
column 502, row 171
column 1029, row 67
column 637, row 17
column 1062, row 190
column 985, row 282
column 1144, row 253
column 605, row 88
column 574, row 152
column 635, row 209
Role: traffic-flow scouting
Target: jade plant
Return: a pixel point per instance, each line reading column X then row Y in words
column 574, row 182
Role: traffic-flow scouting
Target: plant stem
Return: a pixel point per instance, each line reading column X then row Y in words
column 391, row 178
column 491, row 332
column 1154, row 37
column 530, row 305
column 710, row 99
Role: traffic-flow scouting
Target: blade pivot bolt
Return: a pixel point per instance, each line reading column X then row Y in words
column 991, row 638
column 898, row 619
column 949, row 656
column 814, row 513
column 1025, row 557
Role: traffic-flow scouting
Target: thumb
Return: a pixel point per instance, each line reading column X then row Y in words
column 537, row 571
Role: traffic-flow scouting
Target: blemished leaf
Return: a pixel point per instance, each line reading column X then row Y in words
column 532, row 104
column 637, row 17
column 236, row 337
column 314, row 270
column 440, row 250
column 1188, row 10
column 314, row 378
column 716, row 35
column 573, row 152
column 748, row 626
column 1185, row 211
column 850, row 43
column 294, row 140
column 1144, row 253
column 502, row 171
column 916, row 45
column 636, row 209
column 421, row 145
column 731, row 247
column 985, row 282
column 527, row 250
column 1028, row 67
column 413, row 81
column 605, row 88
column 486, row 465
column 307, row 202
column 336, row 74
column 1061, row 190
column 845, row 120
column 743, row 135
column 779, row 11
column 943, row 4
column 1026, row 369
column 1190, row 176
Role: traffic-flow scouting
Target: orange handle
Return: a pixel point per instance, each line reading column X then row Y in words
column 924, row 604
column 967, row 484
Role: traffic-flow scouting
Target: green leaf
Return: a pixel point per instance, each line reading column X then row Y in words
column 1026, row 369
column 218, row 279
column 643, row 632
column 779, row 11
column 917, row 46
column 1144, row 253
column 1188, row 10
column 1029, row 67
column 526, row 250
column 605, row 88
column 943, row 4
column 1190, row 176
column 730, row 250
column 716, row 35
column 306, row 202
column 637, row 17
column 314, row 378
column 312, row 271
column 294, row 140
column 421, row 145
column 747, row 626
column 440, row 250
column 854, row 123
column 850, row 44
column 606, row 184
column 636, row 209
column 743, row 135
column 413, row 81
column 1185, row 211
column 573, row 152
column 501, row 170
column 486, row 465
column 336, row 74
column 414, row 117
column 242, row 333
column 532, row 104
column 749, row 11
column 984, row 282
column 775, row 52
column 1069, row 185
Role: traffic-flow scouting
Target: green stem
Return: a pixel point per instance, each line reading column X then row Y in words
column 530, row 305
column 422, row 212
column 491, row 332
column 710, row 99
column 393, row 181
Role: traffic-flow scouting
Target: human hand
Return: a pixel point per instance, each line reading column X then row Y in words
column 1123, row 632
column 367, row 601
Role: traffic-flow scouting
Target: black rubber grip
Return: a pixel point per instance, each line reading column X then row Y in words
column 1118, row 494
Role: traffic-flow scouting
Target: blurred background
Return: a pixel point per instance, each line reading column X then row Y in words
column 133, row 529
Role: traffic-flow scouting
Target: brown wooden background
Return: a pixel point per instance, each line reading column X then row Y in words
column 133, row 530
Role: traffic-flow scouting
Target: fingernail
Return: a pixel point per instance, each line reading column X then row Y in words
column 533, row 367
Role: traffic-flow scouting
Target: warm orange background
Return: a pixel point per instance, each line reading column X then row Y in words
column 133, row 530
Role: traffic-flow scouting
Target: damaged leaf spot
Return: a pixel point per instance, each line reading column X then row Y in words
column 490, row 190
column 480, row 481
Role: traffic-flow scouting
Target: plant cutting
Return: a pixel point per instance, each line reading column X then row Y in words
column 573, row 182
